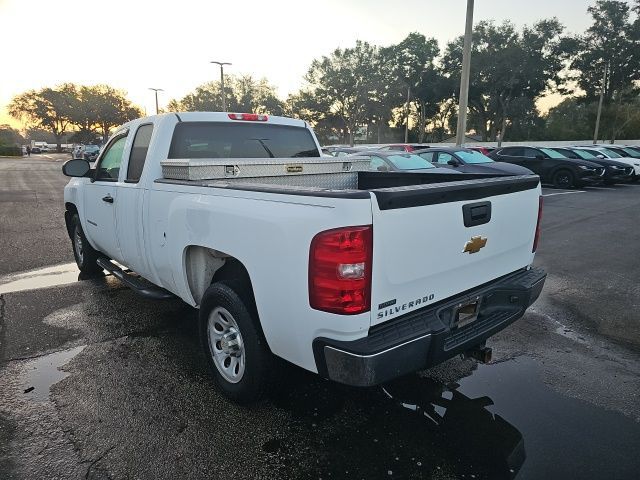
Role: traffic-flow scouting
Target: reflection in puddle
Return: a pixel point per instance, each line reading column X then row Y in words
column 477, row 436
column 41, row 278
column 43, row 372
column 495, row 421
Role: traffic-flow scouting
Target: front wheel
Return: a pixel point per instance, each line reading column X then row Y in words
column 563, row 179
column 234, row 346
column 85, row 255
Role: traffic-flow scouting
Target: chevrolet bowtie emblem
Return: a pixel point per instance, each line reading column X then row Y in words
column 475, row 244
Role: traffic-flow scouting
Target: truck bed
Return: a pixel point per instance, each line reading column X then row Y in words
column 392, row 189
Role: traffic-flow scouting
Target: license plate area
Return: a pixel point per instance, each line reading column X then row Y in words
column 466, row 313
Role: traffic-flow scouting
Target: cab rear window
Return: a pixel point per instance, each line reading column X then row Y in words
column 241, row 140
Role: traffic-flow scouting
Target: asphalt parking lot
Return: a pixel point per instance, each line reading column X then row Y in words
column 96, row 382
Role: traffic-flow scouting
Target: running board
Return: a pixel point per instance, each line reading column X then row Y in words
column 140, row 285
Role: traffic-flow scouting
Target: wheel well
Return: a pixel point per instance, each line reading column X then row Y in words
column 70, row 211
column 205, row 266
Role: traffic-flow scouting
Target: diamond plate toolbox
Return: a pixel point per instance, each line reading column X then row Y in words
column 228, row 168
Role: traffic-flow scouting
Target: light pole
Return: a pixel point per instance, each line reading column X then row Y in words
column 464, row 80
column 222, row 64
column 406, row 125
column 156, row 90
column 604, row 82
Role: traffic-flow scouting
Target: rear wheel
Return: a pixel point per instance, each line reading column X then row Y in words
column 236, row 350
column 85, row 255
column 563, row 179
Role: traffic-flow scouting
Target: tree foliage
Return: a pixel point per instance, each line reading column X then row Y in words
column 49, row 108
column 350, row 83
column 92, row 109
column 243, row 94
column 10, row 136
column 506, row 65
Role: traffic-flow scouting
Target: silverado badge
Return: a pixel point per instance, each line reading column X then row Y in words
column 475, row 244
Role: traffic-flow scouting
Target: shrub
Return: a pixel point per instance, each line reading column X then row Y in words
column 8, row 151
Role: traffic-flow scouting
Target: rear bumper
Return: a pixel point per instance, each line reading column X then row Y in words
column 427, row 337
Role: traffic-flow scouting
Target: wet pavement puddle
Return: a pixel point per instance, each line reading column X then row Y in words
column 44, row 372
column 54, row 276
column 502, row 421
column 41, row 278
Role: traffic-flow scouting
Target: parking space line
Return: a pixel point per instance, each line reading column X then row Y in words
column 563, row 193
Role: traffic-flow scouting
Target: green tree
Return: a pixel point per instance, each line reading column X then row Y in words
column 242, row 94
column 10, row 136
column 349, row 81
column 100, row 108
column 49, row 109
column 416, row 72
column 506, row 65
column 611, row 43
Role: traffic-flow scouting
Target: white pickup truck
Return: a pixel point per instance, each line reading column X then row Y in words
column 359, row 276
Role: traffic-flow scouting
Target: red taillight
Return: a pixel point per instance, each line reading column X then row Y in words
column 340, row 270
column 537, row 236
column 253, row 117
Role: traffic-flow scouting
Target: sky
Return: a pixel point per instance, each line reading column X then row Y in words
column 138, row 44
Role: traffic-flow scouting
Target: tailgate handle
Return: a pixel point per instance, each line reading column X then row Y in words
column 476, row 213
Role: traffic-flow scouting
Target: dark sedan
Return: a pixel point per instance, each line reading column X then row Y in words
column 614, row 172
column 384, row 161
column 552, row 167
column 466, row 160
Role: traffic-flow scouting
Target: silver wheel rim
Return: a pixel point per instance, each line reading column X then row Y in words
column 77, row 242
column 226, row 345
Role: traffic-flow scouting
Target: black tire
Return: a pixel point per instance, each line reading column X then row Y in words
column 83, row 252
column 563, row 179
column 231, row 298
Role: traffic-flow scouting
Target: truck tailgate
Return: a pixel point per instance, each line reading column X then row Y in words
column 422, row 249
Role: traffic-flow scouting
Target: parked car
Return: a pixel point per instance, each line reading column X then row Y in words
column 344, row 151
column 88, row 152
column 633, row 148
column 604, row 152
column 384, row 161
column 466, row 160
column 614, row 172
column 36, row 150
column 339, row 280
column 403, row 147
column 553, row 167
column 482, row 149
column 624, row 151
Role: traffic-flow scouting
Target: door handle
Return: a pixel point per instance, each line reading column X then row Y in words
column 475, row 214
column 108, row 198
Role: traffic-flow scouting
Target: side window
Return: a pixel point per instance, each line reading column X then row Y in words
column 377, row 162
column 444, row 157
column 139, row 152
column 512, row 152
column 108, row 168
column 531, row 153
column 428, row 156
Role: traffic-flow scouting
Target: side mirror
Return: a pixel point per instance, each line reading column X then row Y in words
column 383, row 168
column 453, row 162
column 76, row 168
column 601, row 157
column 539, row 157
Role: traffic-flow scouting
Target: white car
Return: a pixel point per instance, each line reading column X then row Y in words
column 605, row 152
column 359, row 276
